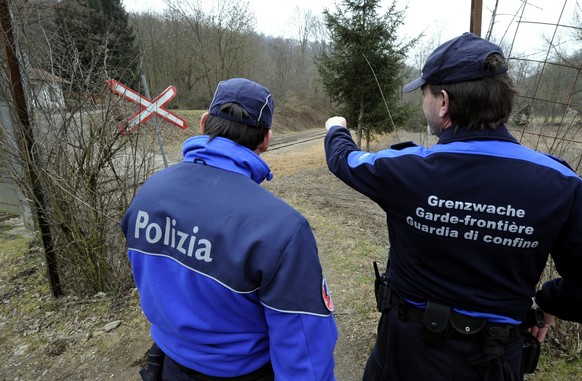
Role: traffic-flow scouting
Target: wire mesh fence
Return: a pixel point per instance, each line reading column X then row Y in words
column 548, row 112
column 549, row 106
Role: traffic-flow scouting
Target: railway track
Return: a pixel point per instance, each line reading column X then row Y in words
column 288, row 140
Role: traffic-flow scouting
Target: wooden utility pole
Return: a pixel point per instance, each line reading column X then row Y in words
column 476, row 16
column 25, row 138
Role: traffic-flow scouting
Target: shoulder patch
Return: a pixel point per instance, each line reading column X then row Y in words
column 326, row 295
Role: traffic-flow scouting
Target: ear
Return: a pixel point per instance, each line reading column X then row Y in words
column 444, row 105
column 203, row 122
column 264, row 146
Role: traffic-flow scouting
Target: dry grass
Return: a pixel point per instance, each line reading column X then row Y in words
column 290, row 162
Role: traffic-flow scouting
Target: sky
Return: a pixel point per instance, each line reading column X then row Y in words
column 438, row 20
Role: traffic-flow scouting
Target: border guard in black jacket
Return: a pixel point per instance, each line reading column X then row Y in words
column 471, row 221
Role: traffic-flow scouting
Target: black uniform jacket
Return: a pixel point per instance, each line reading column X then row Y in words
column 473, row 219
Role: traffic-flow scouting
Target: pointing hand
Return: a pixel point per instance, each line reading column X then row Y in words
column 335, row 121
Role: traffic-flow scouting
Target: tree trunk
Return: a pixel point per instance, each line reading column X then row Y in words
column 360, row 126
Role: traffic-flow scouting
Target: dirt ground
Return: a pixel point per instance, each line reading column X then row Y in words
column 98, row 338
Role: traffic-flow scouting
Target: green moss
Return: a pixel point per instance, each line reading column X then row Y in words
column 561, row 369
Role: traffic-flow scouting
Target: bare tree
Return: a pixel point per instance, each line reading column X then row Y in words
column 87, row 171
column 224, row 36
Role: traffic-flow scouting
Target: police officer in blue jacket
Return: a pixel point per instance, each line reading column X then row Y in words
column 471, row 222
column 228, row 274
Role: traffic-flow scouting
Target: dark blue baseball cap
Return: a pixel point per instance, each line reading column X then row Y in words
column 458, row 60
column 254, row 98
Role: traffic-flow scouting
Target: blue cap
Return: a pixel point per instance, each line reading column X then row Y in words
column 458, row 60
column 254, row 98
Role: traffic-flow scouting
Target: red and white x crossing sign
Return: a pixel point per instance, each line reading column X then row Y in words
column 149, row 107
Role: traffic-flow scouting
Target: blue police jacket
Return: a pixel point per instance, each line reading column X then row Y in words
column 229, row 274
column 472, row 220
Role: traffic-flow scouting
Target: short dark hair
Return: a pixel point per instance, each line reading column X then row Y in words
column 483, row 103
column 247, row 136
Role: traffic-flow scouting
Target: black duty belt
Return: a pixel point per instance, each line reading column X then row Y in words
column 155, row 364
column 441, row 323
column 265, row 373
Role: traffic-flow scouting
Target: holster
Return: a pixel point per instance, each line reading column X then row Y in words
column 531, row 352
column 531, row 345
column 152, row 371
column 382, row 290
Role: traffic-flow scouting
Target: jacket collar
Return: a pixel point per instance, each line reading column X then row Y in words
column 456, row 134
column 225, row 154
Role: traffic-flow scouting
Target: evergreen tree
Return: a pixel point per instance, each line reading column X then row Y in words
column 96, row 43
column 361, row 71
column 124, row 53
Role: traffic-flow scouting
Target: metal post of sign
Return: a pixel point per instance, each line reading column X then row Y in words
column 158, row 135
